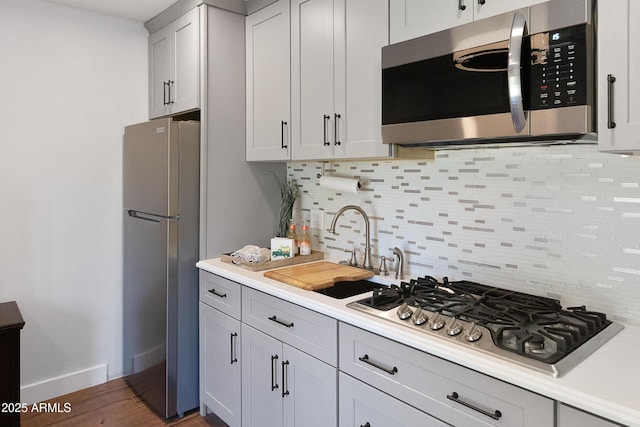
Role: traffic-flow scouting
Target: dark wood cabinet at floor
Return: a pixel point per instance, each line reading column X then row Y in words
column 11, row 323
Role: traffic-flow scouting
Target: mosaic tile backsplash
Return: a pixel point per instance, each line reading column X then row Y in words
column 560, row 221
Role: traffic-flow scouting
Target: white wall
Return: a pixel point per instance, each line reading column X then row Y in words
column 560, row 221
column 71, row 80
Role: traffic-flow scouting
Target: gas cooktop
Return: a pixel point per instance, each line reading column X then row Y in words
column 532, row 331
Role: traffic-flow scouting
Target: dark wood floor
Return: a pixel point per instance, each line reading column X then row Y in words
column 110, row 404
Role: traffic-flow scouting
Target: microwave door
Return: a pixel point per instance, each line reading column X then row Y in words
column 514, row 71
column 463, row 95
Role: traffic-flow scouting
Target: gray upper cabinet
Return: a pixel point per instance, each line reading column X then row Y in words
column 174, row 66
column 618, row 67
column 268, row 83
column 336, row 78
column 314, row 80
column 414, row 18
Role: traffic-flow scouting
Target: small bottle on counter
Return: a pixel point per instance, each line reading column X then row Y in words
column 305, row 240
column 293, row 235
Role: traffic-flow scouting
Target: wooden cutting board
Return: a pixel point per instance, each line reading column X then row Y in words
column 317, row 275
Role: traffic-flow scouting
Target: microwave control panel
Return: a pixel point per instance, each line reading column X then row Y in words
column 559, row 68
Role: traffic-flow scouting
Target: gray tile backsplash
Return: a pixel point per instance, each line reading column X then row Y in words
column 560, row 221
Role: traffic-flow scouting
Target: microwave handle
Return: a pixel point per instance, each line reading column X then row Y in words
column 514, row 77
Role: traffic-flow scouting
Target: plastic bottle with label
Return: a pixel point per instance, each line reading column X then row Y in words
column 305, row 240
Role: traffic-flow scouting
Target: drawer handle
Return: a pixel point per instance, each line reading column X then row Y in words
column 274, row 379
column 164, row 93
column 283, row 323
column 365, row 424
column 325, row 123
column 610, row 81
column 234, row 358
column 213, row 291
column 285, row 378
column 336, row 132
column 495, row 415
column 366, row 360
column 283, row 126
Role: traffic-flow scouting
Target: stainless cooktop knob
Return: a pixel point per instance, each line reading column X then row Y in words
column 454, row 328
column 419, row 317
column 474, row 333
column 436, row 322
column 404, row 312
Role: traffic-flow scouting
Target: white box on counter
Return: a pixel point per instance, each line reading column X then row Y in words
column 281, row 248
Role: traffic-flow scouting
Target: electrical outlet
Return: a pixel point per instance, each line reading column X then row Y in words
column 316, row 221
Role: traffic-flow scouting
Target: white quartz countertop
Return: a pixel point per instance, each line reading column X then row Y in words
column 605, row 383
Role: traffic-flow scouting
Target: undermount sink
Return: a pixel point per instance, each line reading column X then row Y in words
column 346, row 289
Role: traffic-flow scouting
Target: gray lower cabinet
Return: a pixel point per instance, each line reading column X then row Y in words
column 220, row 366
column 283, row 386
column 572, row 417
column 362, row 405
column 444, row 390
column 289, row 374
column 266, row 362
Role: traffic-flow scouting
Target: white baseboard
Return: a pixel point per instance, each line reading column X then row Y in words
column 54, row 387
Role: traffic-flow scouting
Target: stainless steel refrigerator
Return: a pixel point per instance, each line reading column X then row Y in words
column 161, row 175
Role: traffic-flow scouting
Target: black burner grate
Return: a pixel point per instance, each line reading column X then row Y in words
column 534, row 326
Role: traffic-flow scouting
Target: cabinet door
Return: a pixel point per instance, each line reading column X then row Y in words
column 309, row 389
column 268, row 83
column 363, row 405
column 311, row 79
column 489, row 8
column 413, row 18
column 174, row 66
column 159, row 72
column 185, row 89
column 618, row 57
column 361, row 30
column 261, row 379
column 220, row 364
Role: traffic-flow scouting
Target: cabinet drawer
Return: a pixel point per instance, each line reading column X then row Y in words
column 362, row 405
column 220, row 293
column 447, row 391
column 572, row 417
column 304, row 329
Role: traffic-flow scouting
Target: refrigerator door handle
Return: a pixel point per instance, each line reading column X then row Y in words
column 149, row 216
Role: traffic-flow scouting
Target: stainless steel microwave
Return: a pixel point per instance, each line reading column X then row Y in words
column 527, row 75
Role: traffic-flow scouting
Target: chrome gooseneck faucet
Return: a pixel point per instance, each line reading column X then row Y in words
column 367, row 262
column 400, row 263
